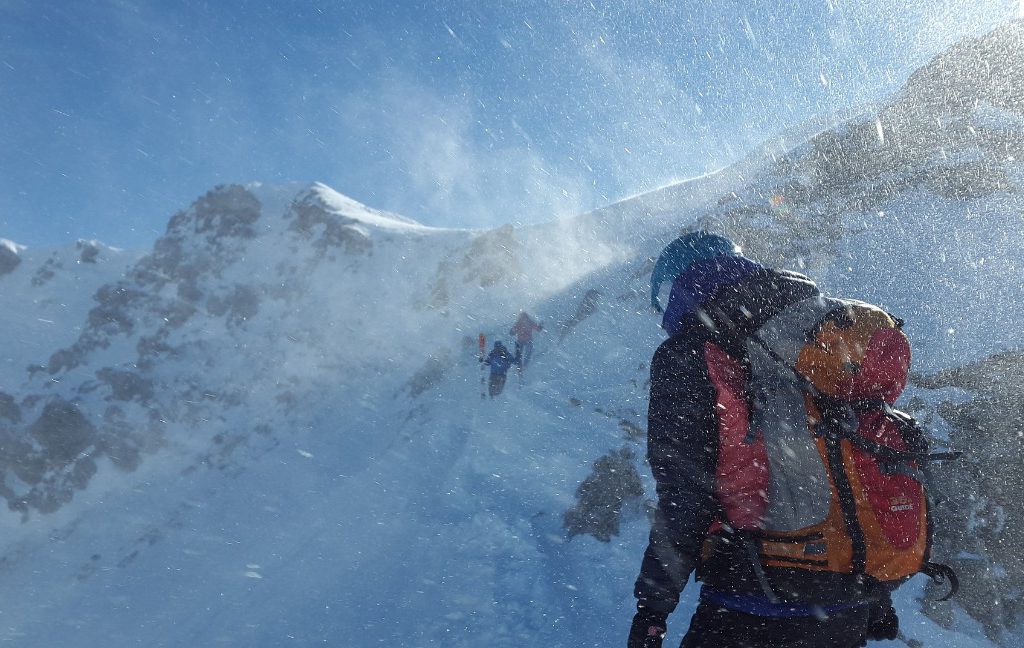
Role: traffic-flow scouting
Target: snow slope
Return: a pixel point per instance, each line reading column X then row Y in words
column 268, row 430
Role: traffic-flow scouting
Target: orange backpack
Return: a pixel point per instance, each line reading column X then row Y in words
column 815, row 465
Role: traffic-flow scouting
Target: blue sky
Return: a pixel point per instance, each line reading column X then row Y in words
column 115, row 114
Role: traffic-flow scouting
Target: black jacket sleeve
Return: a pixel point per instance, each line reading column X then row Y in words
column 682, row 449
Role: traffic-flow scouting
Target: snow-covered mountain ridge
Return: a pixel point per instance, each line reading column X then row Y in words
column 268, row 429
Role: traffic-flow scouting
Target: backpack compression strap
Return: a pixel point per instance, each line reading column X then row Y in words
column 942, row 574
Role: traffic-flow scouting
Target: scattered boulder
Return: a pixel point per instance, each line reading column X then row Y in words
column 587, row 307
column 9, row 258
column 62, row 431
column 431, row 373
column 126, row 385
column 601, row 497
column 9, row 409
column 238, row 306
column 88, row 251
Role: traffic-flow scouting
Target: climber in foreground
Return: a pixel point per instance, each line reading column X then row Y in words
column 784, row 477
column 499, row 360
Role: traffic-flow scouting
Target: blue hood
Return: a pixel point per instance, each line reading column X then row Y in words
column 685, row 250
column 700, row 282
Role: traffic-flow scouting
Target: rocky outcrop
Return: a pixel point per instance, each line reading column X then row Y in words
column 88, row 251
column 226, row 212
column 199, row 244
column 954, row 131
column 587, row 307
column 980, row 510
column 431, row 373
column 984, row 69
column 9, row 409
column 326, row 229
column 62, row 432
column 140, row 363
column 601, row 498
column 9, row 258
column 126, row 385
column 492, row 260
column 53, row 457
column 237, row 306
column 202, row 240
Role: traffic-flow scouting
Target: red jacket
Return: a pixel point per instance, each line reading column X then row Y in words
column 524, row 328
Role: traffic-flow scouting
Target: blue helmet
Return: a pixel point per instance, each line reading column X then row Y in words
column 680, row 253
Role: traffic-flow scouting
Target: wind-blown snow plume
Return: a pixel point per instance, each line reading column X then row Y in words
column 268, row 428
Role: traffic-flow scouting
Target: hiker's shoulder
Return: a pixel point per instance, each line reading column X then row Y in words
column 752, row 300
column 686, row 346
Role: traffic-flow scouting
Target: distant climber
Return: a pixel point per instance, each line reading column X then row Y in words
column 587, row 307
column 523, row 331
column 499, row 360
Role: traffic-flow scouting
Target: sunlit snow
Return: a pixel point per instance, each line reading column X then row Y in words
column 270, row 430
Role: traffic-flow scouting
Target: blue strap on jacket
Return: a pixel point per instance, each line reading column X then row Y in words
column 759, row 606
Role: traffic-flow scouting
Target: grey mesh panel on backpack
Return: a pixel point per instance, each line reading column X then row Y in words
column 799, row 493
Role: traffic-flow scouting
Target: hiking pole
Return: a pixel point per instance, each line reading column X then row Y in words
column 519, row 362
column 483, row 345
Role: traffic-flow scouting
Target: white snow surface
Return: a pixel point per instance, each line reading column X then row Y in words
column 321, row 468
